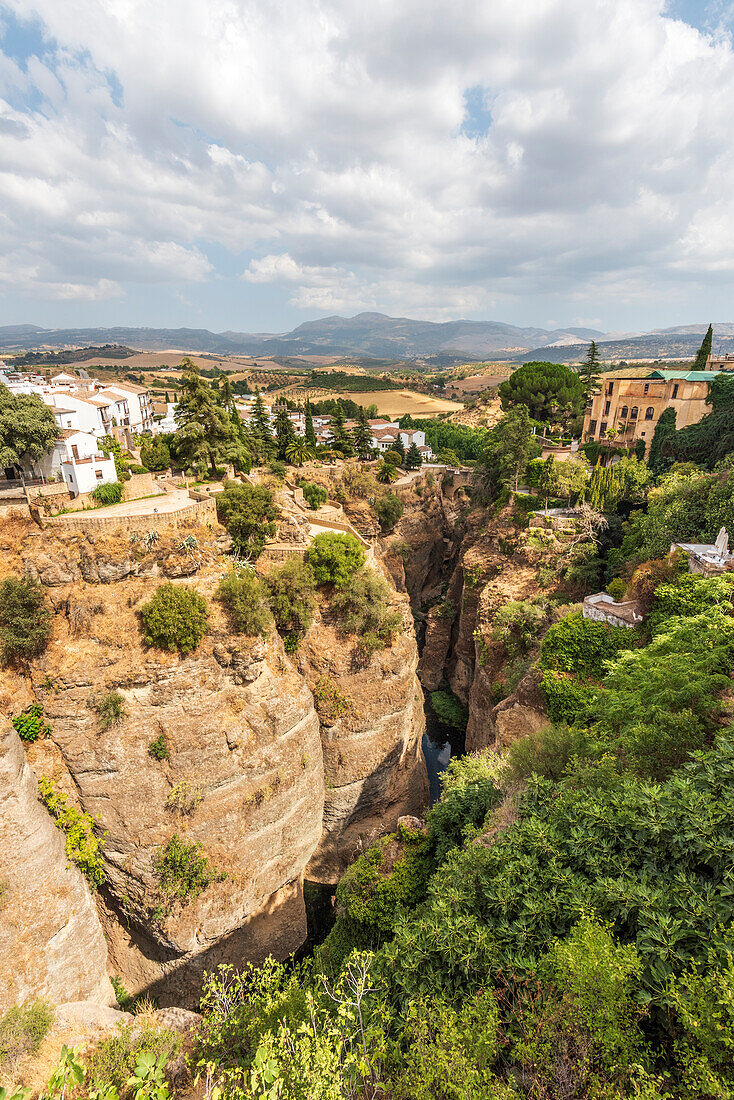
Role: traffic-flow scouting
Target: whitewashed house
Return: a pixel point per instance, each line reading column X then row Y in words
column 76, row 458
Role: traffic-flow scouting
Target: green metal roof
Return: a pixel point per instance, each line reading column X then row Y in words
column 686, row 375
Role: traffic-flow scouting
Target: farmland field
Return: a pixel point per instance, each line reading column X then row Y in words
column 399, row 402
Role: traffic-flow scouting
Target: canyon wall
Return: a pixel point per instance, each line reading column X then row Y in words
column 271, row 786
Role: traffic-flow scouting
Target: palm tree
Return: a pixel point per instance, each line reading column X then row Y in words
column 298, row 451
column 386, row 472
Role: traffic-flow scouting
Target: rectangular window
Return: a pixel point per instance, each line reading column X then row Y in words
column 647, row 387
column 592, row 427
column 603, row 427
column 675, row 390
column 607, row 407
column 99, row 475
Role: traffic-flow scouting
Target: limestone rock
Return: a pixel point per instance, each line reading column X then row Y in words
column 51, row 941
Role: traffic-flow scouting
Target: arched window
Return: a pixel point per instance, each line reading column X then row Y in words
column 633, row 414
column 649, row 413
column 624, row 413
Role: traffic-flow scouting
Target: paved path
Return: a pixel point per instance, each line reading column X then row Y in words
column 166, row 502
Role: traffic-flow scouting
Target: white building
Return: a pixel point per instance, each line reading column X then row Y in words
column 140, row 407
column 76, row 458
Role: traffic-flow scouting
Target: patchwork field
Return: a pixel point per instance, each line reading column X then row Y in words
column 399, row 402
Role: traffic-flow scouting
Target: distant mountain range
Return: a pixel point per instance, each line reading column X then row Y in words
column 374, row 335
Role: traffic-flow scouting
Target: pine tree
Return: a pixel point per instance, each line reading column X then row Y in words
column 284, row 433
column 413, row 459
column 399, row 446
column 702, row 358
column 310, row 434
column 362, row 435
column 204, row 428
column 590, row 371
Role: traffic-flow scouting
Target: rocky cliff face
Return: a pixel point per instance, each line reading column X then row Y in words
column 266, row 785
column 51, row 941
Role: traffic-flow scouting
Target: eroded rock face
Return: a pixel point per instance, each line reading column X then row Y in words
column 249, row 771
column 51, row 941
column 372, row 724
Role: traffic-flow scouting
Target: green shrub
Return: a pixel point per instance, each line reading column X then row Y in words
column 583, row 646
column 110, row 710
column 183, row 871
column 245, row 597
column 25, row 619
column 83, row 846
column 388, row 879
column 364, row 609
column 704, row 1007
column 158, row 748
column 547, row 752
column 314, row 495
column 29, row 724
column 154, row 455
column 519, row 623
column 176, row 618
column 248, row 512
column 135, row 469
column 22, row 1030
column 292, row 588
column 109, row 493
column 389, row 509
column 112, row 1061
column 334, row 558
column 617, row 588
column 691, row 594
column 449, row 709
column 469, row 791
column 566, row 698
column 449, row 1050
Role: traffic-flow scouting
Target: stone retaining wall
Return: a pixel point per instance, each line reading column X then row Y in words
column 198, row 512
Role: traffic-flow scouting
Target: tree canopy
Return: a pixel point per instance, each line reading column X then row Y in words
column 27, row 428
column 551, row 392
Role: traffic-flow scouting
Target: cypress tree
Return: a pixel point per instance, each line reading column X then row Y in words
column 284, row 434
column 342, row 439
column 590, row 371
column 261, row 425
column 704, row 351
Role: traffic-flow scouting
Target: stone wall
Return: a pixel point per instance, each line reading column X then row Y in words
column 198, row 512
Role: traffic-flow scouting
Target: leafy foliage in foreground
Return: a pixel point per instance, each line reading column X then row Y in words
column 175, row 618
column 83, row 845
column 25, row 619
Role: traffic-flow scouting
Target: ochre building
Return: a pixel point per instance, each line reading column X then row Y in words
column 630, row 402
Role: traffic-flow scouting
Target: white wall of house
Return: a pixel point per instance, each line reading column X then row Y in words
column 87, row 418
column 85, row 474
column 140, row 407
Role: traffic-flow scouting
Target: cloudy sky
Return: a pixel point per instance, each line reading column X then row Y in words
column 250, row 164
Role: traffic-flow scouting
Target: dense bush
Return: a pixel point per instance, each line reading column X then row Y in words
column 547, row 752
column 83, row 845
column 469, row 791
column 176, row 618
column 158, row 748
column 109, row 493
column 334, row 558
column 248, row 512
column 183, row 871
column 389, row 509
column 30, row 724
column 25, row 619
column 155, row 454
column 519, row 623
column 582, row 646
column 617, row 852
column 292, row 588
column 314, row 495
column 245, row 597
column 363, row 608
